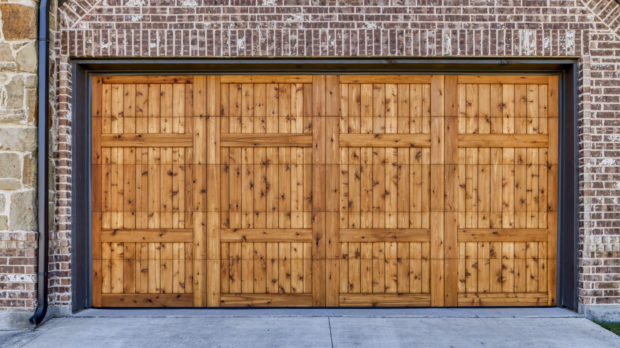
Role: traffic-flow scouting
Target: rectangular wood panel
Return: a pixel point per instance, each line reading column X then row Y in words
column 501, row 233
column 324, row 190
column 143, row 219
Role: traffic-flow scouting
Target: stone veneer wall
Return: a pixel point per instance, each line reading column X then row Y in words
column 18, row 141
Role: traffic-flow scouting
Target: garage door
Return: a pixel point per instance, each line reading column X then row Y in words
column 310, row 190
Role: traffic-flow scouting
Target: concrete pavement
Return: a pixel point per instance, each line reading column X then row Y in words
column 489, row 327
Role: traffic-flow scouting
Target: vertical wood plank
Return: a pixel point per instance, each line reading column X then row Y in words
column 471, row 264
column 437, row 191
column 366, row 104
column 344, row 268
column 297, row 274
column 235, row 275
column 391, row 187
column 483, row 267
column 284, row 187
column 495, row 267
column 129, row 268
column 552, row 186
column 199, row 217
column 116, row 268
column 272, row 268
column 142, row 268
column 378, row 267
column 391, row 108
column 318, row 191
column 365, row 191
column 225, row 268
column 178, row 268
column 154, row 268
column 247, row 268
column 213, row 189
column 508, row 267
column 260, row 268
column 284, row 268
column 97, row 259
column 403, row 109
column 166, row 267
column 403, row 267
column 365, row 268
column 113, row 271
column 403, row 188
column 106, row 263
column 354, row 267
column 247, row 186
column 391, row 267
column 378, row 188
column 307, row 268
column 451, row 190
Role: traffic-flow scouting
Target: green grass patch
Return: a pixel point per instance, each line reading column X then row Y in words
column 613, row 327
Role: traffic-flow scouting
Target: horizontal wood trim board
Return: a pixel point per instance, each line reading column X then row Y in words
column 512, row 79
column 156, row 235
column 385, row 140
column 266, row 235
column 502, row 235
column 147, row 300
column 503, row 299
column 147, row 79
column 266, row 300
column 266, row 79
column 385, row 235
column 238, row 140
column 146, row 140
column 385, row 79
column 502, row 140
column 384, row 300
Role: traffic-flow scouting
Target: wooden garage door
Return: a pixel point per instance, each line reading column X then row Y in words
column 332, row 190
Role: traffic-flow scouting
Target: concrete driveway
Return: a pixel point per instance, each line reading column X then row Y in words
column 490, row 327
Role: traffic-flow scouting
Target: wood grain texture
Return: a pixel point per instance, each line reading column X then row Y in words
column 502, row 79
column 385, row 140
column 502, row 235
column 146, row 79
column 251, row 79
column 503, row 175
column 503, row 140
column 386, row 300
column 146, row 300
column 324, row 190
column 385, row 234
column 237, row 140
column 267, row 300
column 150, row 235
column 356, row 79
column 266, row 234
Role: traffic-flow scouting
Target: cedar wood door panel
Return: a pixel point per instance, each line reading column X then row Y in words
column 301, row 190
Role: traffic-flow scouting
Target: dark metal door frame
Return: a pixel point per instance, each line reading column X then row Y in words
column 568, row 191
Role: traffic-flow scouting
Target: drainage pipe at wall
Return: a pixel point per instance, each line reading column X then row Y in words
column 43, row 184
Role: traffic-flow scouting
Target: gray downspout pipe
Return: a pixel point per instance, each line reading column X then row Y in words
column 43, row 184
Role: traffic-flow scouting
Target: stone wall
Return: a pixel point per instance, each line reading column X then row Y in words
column 18, row 128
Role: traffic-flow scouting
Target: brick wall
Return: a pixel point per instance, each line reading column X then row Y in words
column 589, row 30
column 18, row 99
